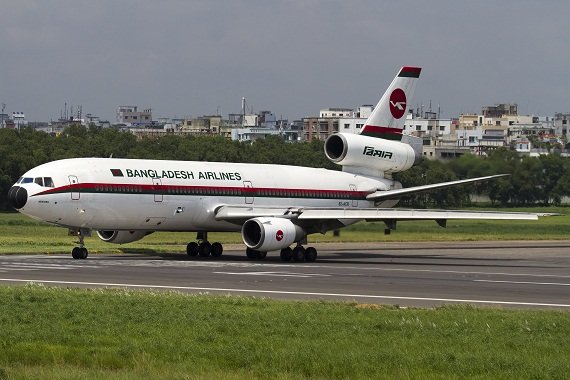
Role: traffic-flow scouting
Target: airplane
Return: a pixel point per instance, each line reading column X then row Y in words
column 273, row 206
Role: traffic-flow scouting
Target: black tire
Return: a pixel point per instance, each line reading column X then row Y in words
column 216, row 250
column 310, row 254
column 251, row 254
column 298, row 254
column 286, row 254
column 261, row 255
column 75, row 253
column 204, row 249
column 192, row 249
column 83, row 253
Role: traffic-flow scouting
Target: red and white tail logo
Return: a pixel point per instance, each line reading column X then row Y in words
column 387, row 119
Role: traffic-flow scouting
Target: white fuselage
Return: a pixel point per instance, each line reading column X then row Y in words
column 130, row 194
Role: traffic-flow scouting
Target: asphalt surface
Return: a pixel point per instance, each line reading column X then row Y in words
column 503, row 274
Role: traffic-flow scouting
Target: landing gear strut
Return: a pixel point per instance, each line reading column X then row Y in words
column 80, row 253
column 203, row 248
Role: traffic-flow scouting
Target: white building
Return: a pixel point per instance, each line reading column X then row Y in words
column 428, row 125
column 131, row 116
column 19, row 120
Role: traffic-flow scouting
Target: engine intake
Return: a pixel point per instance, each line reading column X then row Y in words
column 121, row 237
column 270, row 234
column 369, row 152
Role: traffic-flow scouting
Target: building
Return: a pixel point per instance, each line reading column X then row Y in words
column 428, row 125
column 500, row 110
column 317, row 128
column 3, row 118
column 19, row 120
column 131, row 116
column 336, row 112
column 334, row 120
column 561, row 123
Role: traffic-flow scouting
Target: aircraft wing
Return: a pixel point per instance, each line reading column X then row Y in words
column 398, row 193
column 242, row 213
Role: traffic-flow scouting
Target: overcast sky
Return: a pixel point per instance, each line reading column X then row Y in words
column 191, row 58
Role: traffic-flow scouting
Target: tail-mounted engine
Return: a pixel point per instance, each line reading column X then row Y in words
column 121, row 237
column 377, row 154
column 270, row 234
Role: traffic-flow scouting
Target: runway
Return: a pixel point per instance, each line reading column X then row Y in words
column 503, row 274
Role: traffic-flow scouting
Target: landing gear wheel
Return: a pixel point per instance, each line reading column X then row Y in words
column 204, row 249
column 216, row 250
column 298, row 254
column 79, row 253
column 192, row 249
column 261, row 255
column 252, row 254
column 286, row 254
column 310, row 254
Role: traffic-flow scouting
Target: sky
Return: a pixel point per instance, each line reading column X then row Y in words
column 188, row 58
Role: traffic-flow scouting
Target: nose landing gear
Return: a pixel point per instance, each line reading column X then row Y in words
column 80, row 253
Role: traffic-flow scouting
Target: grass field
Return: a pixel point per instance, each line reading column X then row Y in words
column 20, row 234
column 75, row 333
column 51, row 333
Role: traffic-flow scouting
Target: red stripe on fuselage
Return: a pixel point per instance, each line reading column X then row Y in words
column 128, row 188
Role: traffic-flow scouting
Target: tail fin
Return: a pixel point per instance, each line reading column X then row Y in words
column 388, row 118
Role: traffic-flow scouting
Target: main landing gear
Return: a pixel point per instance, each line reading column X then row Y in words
column 79, row 253
column 203, row 248
column 299, row 254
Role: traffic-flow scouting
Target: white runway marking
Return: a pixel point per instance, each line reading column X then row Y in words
column 524, row 282
column 253, row 291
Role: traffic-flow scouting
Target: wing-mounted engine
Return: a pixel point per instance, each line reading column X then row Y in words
column 121, row 237
column 369, row 155
column 270, row 234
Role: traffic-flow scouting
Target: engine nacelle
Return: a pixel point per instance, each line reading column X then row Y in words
column 121, row 237
column 387, row 156
column 270, row 234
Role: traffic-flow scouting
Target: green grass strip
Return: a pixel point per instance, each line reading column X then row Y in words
column 81, row 333
column 20, row 234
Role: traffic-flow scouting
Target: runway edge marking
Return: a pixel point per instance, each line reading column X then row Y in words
column 140, row 286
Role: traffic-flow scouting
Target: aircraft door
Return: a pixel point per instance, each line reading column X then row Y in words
column 248, row 193
column 354, row 201
column 157, row 189
column 73, row 182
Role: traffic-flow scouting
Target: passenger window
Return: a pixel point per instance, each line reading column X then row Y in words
column 39, row 181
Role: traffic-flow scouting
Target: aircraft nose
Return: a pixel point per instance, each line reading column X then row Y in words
column 18, row 196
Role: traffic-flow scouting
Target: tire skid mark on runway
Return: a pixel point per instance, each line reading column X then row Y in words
column 283, row 292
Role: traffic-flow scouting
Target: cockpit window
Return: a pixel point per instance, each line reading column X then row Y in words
column 43, row 181
column 48, row 182
column 26, row 180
